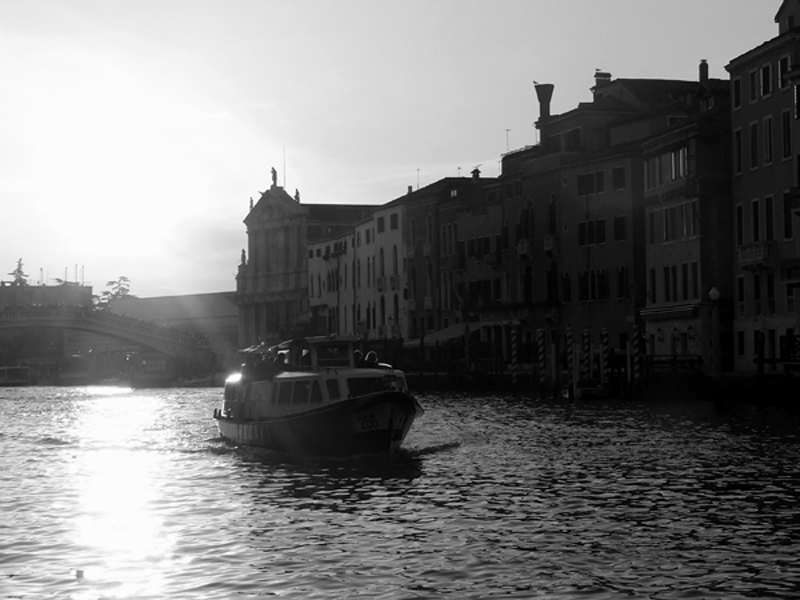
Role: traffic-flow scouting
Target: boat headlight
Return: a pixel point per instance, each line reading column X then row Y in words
column 234, row 378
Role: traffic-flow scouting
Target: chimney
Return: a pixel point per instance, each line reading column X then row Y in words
column 703, row 71
column 544, row 92
column 601, row 78
column 410, row 189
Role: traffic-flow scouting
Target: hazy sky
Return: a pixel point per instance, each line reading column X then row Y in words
column 134, row 133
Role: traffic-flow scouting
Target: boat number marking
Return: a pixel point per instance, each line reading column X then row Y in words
column 368, row 422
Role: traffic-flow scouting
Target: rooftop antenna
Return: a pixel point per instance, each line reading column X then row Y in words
column 417, row 178
column 508, row 148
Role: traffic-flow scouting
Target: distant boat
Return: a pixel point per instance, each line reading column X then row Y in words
column 15, row 376
column 309, row 396
column 151, row 371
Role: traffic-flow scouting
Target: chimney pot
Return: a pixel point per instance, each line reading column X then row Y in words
column 703, row 71
column 544, row 92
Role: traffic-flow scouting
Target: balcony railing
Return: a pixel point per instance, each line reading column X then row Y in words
column 757, row 255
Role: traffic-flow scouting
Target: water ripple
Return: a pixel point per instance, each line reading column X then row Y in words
column 122, row 494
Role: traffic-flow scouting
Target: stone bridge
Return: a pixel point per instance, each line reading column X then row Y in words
column 149, row 335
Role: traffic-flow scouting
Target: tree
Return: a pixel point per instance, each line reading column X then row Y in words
column 117, row 288
column 19, row 275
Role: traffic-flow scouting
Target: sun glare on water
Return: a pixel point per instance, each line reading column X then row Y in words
column 117, row 525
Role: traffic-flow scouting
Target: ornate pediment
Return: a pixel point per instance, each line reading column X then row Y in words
column 275, row 205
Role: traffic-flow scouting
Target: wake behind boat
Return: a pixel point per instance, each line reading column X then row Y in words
column 314, row 395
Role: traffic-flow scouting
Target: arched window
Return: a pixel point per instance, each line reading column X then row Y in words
column 394, row 259
column 383, row 310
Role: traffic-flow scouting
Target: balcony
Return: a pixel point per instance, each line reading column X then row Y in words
column 757, row 255
column 523, row 247
column 394, row 282
column 380, row 283
column 550, row 244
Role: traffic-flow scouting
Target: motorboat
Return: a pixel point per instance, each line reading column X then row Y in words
column 314, row 395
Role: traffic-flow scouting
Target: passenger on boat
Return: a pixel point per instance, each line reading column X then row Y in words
column 358, row 358
column 372, row 359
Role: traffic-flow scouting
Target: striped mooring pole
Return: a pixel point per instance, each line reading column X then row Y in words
column 604, row 356
column 586, row 356
column 569, row 351
column 542, row 358
column 635, row 342
column 514, row 357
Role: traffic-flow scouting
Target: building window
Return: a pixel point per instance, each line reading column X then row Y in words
column 788, row 232
column 771, row 293
column 739, row 225
column 755, row 224
column 685, row 281
column 652, row 286
column 786, row 134
column 619, row 229
column 784, row 66
column 695, row 280
column 566, row 288
column 737, row 93
column 679, row 163
column 381, row 224
column 582, row 236
column 585, row 184
column 753, row 86
column 740, row 295
column 757, row 293
column 600, row 182
column 667, row 287
column 766, row 80
column 768, row 140
column 753, row 145
column 393, row 221
column 738, row 150
column 622, row 282
column 769, row 219
column 600, row 231
column 618, row 178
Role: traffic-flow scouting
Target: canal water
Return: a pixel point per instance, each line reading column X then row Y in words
column 112, row 493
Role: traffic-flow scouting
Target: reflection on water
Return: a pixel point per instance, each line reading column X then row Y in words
column 111, row 493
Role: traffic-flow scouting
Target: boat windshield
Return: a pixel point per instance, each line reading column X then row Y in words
column 334, row 354
column 360, row 386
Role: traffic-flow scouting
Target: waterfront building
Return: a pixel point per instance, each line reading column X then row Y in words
column 272, row 290
column 766, row 194
column 688, row 219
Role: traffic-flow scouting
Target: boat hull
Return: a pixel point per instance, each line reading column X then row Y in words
column 374, row 423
